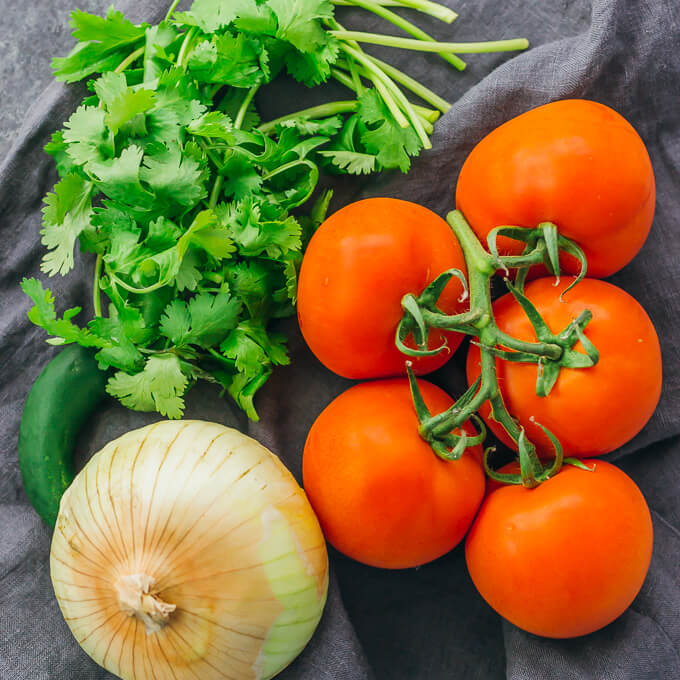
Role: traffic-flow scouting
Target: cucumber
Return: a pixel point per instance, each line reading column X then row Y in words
column 62, row 398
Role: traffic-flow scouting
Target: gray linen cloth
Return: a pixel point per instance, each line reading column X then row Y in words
column 427, row 623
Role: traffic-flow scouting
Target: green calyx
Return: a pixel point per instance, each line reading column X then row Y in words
column 551, row 352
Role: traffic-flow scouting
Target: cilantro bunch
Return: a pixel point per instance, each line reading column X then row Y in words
column 191, row 205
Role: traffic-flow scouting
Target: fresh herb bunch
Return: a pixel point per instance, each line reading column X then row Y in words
column 169, row 178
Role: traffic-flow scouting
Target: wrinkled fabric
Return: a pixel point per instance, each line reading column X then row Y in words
column 427, row 623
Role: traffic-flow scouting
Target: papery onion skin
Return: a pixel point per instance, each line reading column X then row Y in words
column 218, row 527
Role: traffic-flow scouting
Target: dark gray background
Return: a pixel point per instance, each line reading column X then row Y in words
column 419, row 624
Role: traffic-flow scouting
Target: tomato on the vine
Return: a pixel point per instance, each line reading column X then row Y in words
column 594, row 410
column 576, row 163
column 381, row 494
column 566, row 558
column 359, row 264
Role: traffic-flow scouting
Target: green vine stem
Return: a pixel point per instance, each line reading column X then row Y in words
column 551, row 352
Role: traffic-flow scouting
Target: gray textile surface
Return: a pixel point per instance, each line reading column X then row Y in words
column 409, row 625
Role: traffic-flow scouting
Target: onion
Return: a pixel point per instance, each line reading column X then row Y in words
column 186, row 549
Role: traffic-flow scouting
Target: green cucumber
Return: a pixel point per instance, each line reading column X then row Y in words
column 61, row 400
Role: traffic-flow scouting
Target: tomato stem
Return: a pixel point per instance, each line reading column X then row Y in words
column 551, row 352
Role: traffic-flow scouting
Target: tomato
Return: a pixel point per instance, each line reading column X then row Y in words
column 381, row 494
column 566, row 558
column 590, row 410
column 359, row 264
column 574, row 162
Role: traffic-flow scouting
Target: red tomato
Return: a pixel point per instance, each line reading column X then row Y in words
column 381, row 494
column 590, row 410
column 574, row 162
column 566, row 558
column 359, row 264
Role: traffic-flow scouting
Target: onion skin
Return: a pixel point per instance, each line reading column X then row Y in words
column 186, row 549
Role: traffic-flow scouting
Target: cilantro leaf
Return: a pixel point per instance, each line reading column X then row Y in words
column 212, row 317
column 183, row 281
column 290, row 271
column 313, row 68
column 189, row 275
column 127, row 107
column 243, row 388
column 122, row 103
column 109, row 87
column 44, row 315
column 113, row 30
column 253, row 282
column 210, row 15
column 242, row 177
column 298, row 22
column 119, row 178
column 204, row 321
column 122, row 353
column 274, row 344
column 177, row 103
column 353, row 162
column 214, row 124
column 249, row 356
column 175, row 323
column 162, row 234
column 66, row 214
column 383, row 136
column 58, row 149
column 159, row 387
column 230, row 60
column 103, row 44
column 309, row 126
column 87, row 136
column 212, row 237
column 173, row 176
column 254, row 17
column 202, row 60
column 84, row 60
column 157, row 38
column 255, row 236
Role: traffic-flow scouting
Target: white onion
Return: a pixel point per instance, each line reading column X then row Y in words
column 186, row 549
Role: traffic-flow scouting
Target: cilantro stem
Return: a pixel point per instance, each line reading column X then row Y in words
column 408, row 109
column 210, row 155
column 430, row 115
column 129, row 60
column 399, row 76
column 409, row 28
column 229, row 362
column 412, row 84
column 321, row 111
column 432, row 8
column 356, row 78
column 344, row 79
column 132, row 289
column 244, row 106
column 402, row 121
column 427, row 116
column 434, row 46
column 96, row 298
column 386, row 86
column 240, row 116
column 171, row 10
column 184, row 49
column 215, row 193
